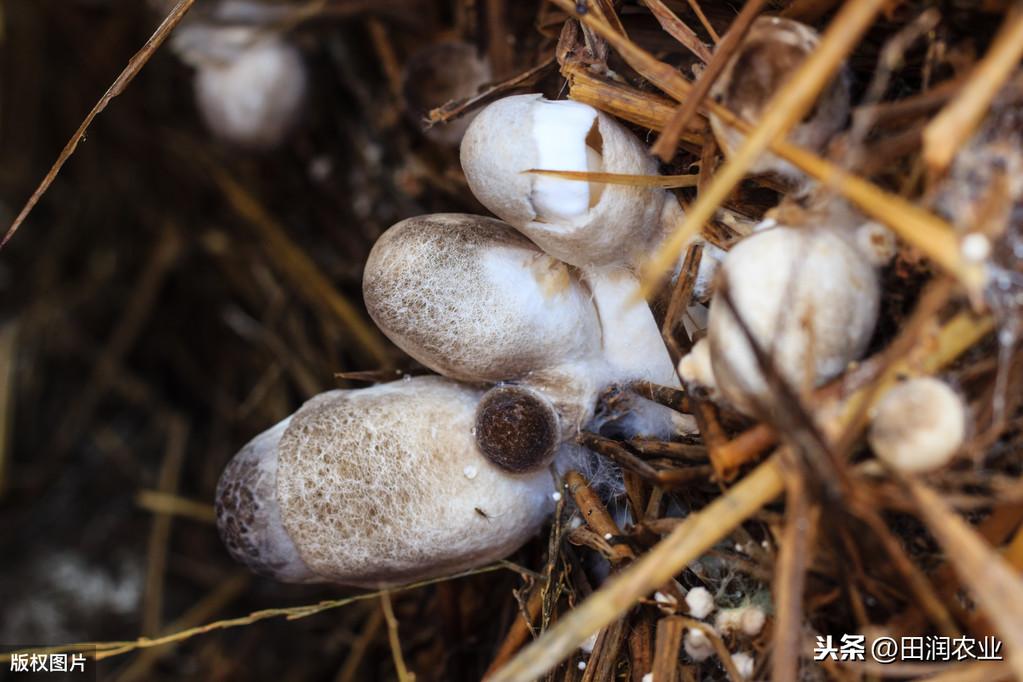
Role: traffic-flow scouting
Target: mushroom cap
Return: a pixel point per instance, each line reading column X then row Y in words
column 474, row 300
column 248, row 517
column 249, row 88
column 580, row 223
column 385, row 485
column 809, row 298
column 770, row 52
column 918, row 425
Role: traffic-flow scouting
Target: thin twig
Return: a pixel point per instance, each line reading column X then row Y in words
column 135, row 65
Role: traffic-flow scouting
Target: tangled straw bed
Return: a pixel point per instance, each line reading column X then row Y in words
column 170, row 295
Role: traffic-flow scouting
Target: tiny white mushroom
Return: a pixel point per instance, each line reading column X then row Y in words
column 747, row 620
column 249, row 85
column 700, row 602
column 918, row 425
column 697, row 645
column 770, row 52
column 581, row 223
column 810, row 300
column 744, row 664
column 355, row 489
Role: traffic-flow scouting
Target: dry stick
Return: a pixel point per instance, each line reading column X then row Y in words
column 360, row 646
column 604, row 659
column 918, row 227
column 947, row 132
column 695, row 5
column 789, row 105
column 392, row 636
column 226, row 592
column 667, row 142
column 678, row 29
column 695, row 535
column 159, row 536
column 135, row 65
column 297, row 266
column 518, row 633
column 991, row 580
column 790, row 575
column 682, row 292
column 663, row 181
column 455, row 108
column 666, row 648
column 104, row 650
column 596, row 516
column 159, row 502
column 641, row 655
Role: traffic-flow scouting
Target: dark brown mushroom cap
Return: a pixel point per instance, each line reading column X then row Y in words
column 516, row 428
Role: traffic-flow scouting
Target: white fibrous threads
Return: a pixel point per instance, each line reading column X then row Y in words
column 744, row 664
column 918, row 425
column 700, row 602
column 697, row 645
column 808, row 298
column 586, row 224
column 771, row 49
column 251, row 88
column 471, row 298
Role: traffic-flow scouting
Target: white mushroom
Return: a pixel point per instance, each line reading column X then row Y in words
column 697, row 645
column 809, row 299
column 580, row 223
column 249, row 85
column 744, row 664
column 747, row 620
column 918, row 425
column 770, row 52
column 376, row 487
column 700, row 602
column 472, row 299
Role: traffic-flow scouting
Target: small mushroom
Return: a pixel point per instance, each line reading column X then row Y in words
column 699, row 602
column 578, row 222
column 250, row 85
column 810, row 300
column 769, row 54
column 376, row 487
column 918, row 425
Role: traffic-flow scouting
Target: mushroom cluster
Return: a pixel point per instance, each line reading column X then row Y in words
column 525, row 320
column 527, row 317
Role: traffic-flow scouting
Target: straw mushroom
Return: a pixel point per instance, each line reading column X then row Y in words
column 376, row 487
column 809, row 299
column 770, row 52
column 581, row 223
column 250, row 86
column 918, row 425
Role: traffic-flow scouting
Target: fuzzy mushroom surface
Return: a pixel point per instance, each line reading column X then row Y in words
column 377, row 486
column 808, row 297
